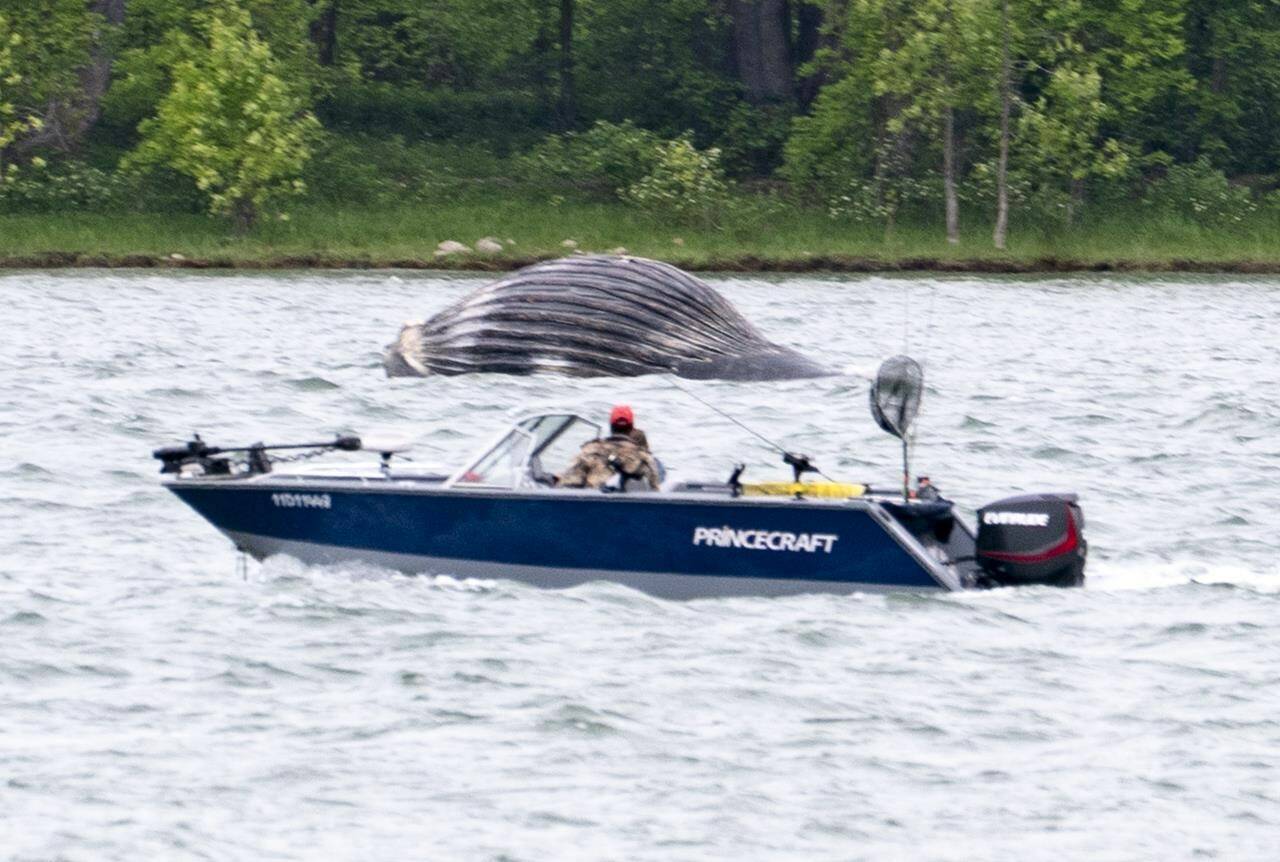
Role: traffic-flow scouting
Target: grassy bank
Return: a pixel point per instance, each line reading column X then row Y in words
column 782, row 241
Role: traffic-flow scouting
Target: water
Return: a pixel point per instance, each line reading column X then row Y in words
column 155, row 705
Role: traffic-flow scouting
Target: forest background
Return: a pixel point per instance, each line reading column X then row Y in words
column 729, row 133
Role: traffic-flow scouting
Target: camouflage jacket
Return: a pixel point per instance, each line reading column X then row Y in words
column 598, row 460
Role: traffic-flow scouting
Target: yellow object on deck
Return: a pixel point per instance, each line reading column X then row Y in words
column 836, row 490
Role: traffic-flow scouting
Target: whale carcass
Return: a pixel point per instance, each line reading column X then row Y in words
column 595, row 316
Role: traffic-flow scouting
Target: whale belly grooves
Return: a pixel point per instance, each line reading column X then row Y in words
column 595, row 316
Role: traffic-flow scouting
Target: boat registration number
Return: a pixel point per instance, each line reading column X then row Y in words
column 302, row 501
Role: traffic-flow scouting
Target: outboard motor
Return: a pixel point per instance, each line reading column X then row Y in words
column 1032, row 539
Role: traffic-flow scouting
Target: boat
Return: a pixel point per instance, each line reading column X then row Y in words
column 502, row 515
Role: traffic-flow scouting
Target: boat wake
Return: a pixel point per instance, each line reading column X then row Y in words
column 1152, row 574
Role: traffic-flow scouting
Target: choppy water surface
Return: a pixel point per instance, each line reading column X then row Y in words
column 154, row 705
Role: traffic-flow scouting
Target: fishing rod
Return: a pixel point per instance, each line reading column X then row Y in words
column 799, row 463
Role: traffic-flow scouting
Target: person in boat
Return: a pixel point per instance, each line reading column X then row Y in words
column 624, row 452
column 926, row 490
column 622, row 423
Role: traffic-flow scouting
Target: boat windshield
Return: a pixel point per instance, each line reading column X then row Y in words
column 517, row 458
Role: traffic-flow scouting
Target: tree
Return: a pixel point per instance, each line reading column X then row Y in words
column 59, row 86
column 324, row 32
column 157, row 35
column 230, row 122
column 1000, row 233
column 1094, row 75
column 1060, row 135
column 844, row 149
column 12, row 123
column 932, row 70
column 762, row 49
column 1233, row 112
column 440, row 43
column 663, row 66
column 567, row 107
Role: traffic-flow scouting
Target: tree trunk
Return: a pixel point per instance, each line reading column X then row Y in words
column 809, row 38
column 66, row 122
column 949, row 175
column 245, row 215
column 324, row 34
column 567, row 109
column 762, row 49
column 1075, row 200
column 1218, row 76
column 1001, row 233
column 544, row 83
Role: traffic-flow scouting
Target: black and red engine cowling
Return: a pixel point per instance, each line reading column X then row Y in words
column 1032, row 539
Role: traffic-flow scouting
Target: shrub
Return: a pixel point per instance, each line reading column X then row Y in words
column 12, row 124
column 1201, row 193
column 507, row 120
column 230, row 122
column 603, row 160
column 341, row 170
column 624, row 162
column 63, row 187
column 854, row 200
column 685, row 182
column 367, row 169
column 74, row 186
column 753, row 139
column 1270, row 204
column 831, row 146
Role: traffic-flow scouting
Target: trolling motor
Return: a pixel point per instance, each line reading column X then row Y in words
column 195, row 451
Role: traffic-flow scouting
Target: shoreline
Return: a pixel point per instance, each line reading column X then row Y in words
column 742, row 264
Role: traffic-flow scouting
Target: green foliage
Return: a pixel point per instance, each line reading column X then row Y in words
column 1201, row 193
column 143, row 75
column 64, row 187
column 489, row 69
column 507, row 120
column 367, row 170
column 424, row 99
column 230, row 122
column 1059, row 143
column 753, row 139
column 69, row 185
column 935, row 55
column 624, row 162
column 854, row 200
column 47, row 44
column 685, row 184
column 828, row 149
column 872, row 147
column 664, row 66
column 1136, row 48
column 12, row 123
column 1269, row 206
column 434, row 43
column 41, row 47
column 603, row 160
column 156, row 38
column 1232, row 114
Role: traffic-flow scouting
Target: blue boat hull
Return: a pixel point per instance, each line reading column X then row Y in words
column 666, row 545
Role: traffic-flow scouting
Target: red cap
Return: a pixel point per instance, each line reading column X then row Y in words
column 622, row 415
